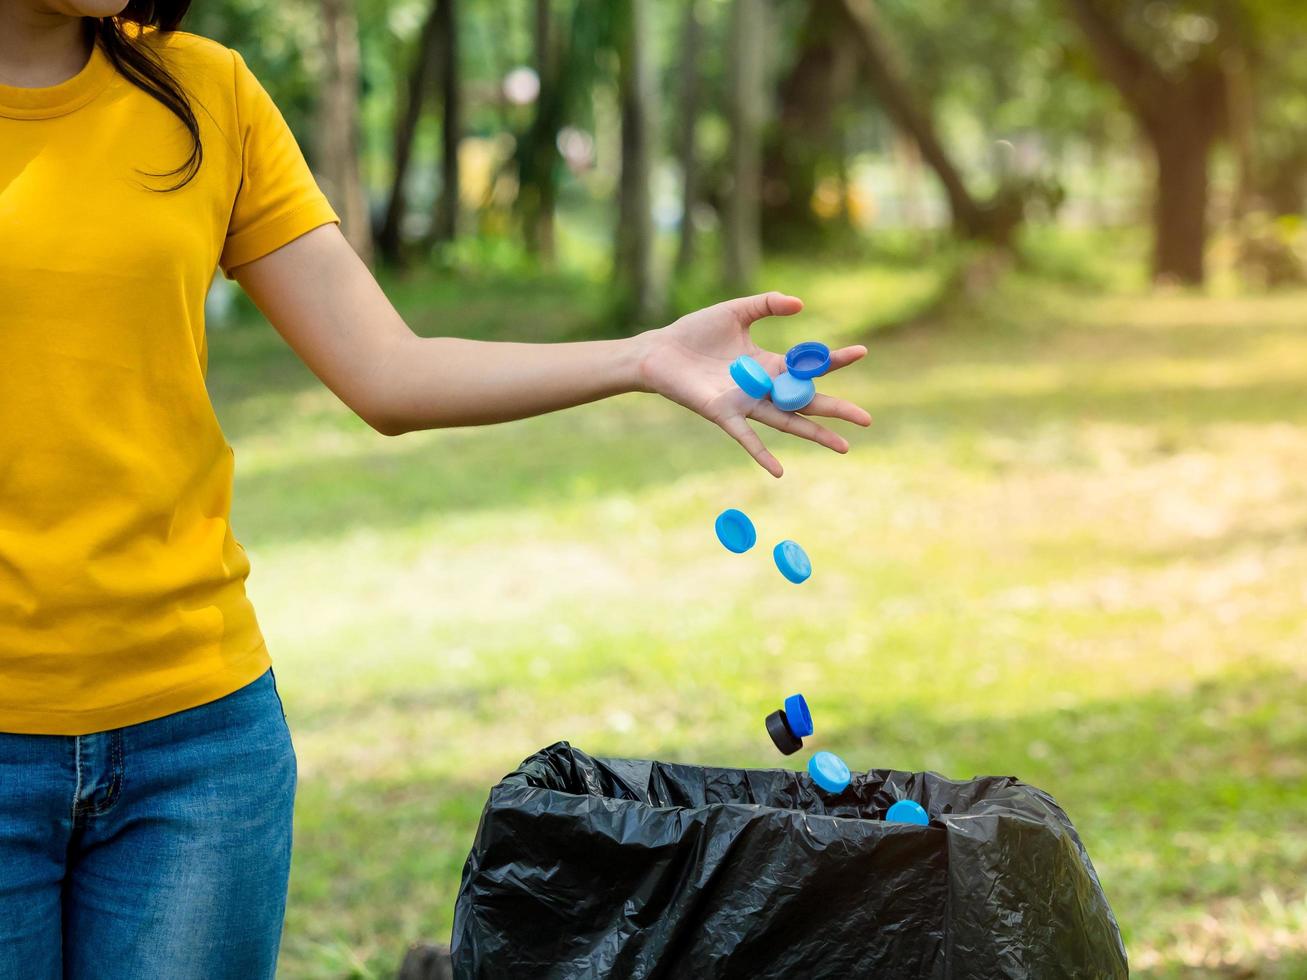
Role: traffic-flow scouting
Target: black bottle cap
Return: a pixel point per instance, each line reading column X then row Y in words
column 779, row 730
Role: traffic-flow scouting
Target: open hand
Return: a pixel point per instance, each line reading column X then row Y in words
column 689, row 363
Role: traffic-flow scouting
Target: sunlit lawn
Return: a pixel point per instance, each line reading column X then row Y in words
column 1072, row 548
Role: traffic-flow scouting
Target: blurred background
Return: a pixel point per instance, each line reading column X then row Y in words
column 1072, row 547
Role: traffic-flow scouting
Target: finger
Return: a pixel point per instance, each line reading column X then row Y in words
column 846, row 356
column 837, row 408
column 797, row 425
column 740, row 430
column 750, row 309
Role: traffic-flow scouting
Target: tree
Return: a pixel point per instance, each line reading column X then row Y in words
column 687, row 146
column 994, row 220
column 338, row 126
column 419, row 81
column 445, row 226
column 817, row 87
column 538, row 156
column 637, row 286
column 745, row 109
column 1181, row 110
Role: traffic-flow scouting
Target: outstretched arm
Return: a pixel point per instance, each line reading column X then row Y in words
column 329, row 308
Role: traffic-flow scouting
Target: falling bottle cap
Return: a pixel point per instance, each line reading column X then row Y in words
column 735, row 531
column 829, row 772
column 908, row 811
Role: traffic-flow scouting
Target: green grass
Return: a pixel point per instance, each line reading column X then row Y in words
column 1072, row 548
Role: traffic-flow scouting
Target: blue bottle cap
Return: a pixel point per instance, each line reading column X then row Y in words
column 797, row 716
column 810, row 359
column 792, row 561
column 908, row 811
column 829, row 771
column 735, row 531
column 790, row 394
column 751, row 376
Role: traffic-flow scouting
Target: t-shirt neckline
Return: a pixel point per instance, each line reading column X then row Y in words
column 61, row 99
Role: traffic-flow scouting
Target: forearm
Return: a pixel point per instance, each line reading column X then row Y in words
column 327, row 305
column 437, row 382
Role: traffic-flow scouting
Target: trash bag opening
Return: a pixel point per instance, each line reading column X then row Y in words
column 666, row 785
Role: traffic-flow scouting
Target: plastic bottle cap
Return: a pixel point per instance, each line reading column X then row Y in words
column 778, row 727
column 810, row 359
column 735, row 531
column 829, row 772
column 790, row 394
column 797, row 716
column 908, row 811
column 751, row 376
column 792, row 561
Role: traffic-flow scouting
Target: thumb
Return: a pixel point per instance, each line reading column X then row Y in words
column 750, row 309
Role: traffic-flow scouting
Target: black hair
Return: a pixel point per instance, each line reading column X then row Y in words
column 134, row 59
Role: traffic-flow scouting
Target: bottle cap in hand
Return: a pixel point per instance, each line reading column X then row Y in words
column 751, row 376
column 790, row 394
column 810, row 359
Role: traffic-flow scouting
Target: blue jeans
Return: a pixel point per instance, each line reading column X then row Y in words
column 156, row 850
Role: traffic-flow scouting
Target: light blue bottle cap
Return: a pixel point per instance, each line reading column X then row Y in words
column 751, row 376
column 829, row 772
column 792, row 561
column 790, row 394
column 735, row 531
column 908, row 811
column 810, row 359
column 797, row 716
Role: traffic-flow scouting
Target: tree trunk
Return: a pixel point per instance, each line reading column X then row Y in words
column 821, row 81
column 338, row 126
column 1284, row 183
column 389, row 239
column 691, row 83
column 1181, row 118
column 1180, row 207
column 889, row 80
column 634, row 265
column 538, row 173
column 445, row 226
column 745, row 109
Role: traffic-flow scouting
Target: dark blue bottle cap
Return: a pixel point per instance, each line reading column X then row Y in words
column 829, row 772
column 797, row 716
column 735, row 531
column 751, row 376
column 782, row 736
column 908, row 811
column 810, row 359
column 790, row 394
column 792, row 561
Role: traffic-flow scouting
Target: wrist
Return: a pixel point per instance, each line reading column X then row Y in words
column 635, row 357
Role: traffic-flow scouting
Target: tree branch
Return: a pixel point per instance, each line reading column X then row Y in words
column 1137, row 78
column 888, row 80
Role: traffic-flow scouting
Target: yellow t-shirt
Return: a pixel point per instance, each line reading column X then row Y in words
column 122, row 588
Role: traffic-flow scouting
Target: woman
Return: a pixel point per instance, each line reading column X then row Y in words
column 146, row 771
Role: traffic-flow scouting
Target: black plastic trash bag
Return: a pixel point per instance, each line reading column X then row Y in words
column 588, row 867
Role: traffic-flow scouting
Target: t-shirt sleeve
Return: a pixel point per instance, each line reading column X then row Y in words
column 278, row 199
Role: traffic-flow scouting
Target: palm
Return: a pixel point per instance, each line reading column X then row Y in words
column 688, row 362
